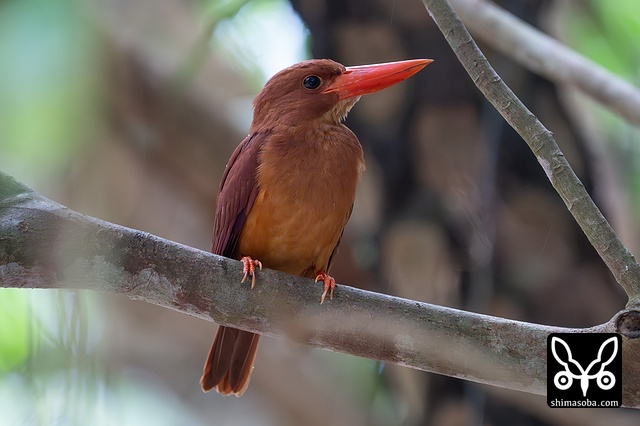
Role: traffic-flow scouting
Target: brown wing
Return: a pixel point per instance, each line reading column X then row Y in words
column 238, row 191
column 230, row 361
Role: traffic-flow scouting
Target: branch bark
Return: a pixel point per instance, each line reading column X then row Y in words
column 548, row 57
column 46, row 245
column 615, row 255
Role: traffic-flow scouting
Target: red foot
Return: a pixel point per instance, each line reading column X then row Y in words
column 329, row 285
column 249, row 269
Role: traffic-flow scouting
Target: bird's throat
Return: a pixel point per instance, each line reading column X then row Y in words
column 341, row 109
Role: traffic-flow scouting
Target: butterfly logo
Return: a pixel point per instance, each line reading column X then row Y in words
column 564, row 379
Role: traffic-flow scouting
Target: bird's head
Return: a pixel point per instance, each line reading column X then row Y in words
column 321, row 89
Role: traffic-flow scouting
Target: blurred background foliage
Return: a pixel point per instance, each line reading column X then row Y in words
column 606, row 35
column 128, row 110
column 51, row 67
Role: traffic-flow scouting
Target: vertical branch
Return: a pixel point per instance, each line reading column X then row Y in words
column 615, row 255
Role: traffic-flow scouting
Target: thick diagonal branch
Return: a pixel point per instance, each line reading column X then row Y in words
column 615, row 255
column 45, row 245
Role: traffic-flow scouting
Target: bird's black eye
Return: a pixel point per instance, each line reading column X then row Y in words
column 311, row 82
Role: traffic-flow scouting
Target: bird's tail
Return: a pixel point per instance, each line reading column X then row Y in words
column 230, row 361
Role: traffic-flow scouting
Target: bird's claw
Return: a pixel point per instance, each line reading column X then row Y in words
column 249, row 269
column 329, row 285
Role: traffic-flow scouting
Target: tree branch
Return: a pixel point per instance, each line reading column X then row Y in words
column 45, row 245
column 548, row 57
column 615, row 255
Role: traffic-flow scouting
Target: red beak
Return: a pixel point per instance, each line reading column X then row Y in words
column 360, row 80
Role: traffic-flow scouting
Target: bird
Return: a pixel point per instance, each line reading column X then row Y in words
column 288, row 189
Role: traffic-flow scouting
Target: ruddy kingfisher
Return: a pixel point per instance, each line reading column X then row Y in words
column 288, row 189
